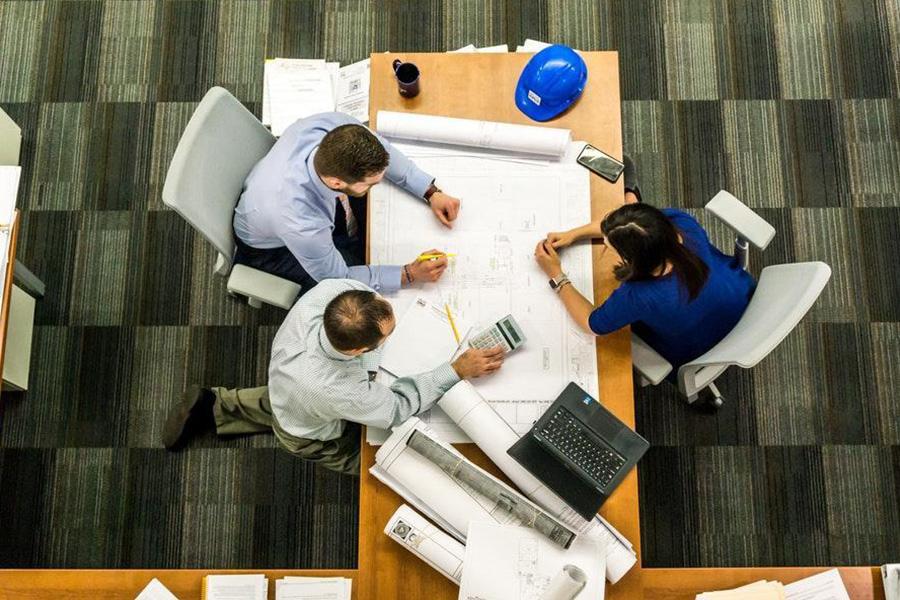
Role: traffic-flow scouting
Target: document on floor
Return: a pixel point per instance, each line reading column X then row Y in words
column 509, row 202
column 155, row 590
column 235, row 587
column 416, row 534
column 827, row 585
column 313, row 588
column 422, row 340
column 506, row 562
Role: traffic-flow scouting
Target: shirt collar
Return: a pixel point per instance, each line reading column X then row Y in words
column 324, row 190
column 329, row 350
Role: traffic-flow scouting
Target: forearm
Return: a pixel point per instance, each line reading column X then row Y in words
column 591, row 230
column 578, row 307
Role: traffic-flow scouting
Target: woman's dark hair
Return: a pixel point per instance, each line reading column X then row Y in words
column 646, row 239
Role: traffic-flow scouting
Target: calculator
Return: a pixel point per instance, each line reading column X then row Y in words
column 505, row 333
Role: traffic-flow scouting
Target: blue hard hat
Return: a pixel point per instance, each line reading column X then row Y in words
column 552, row 80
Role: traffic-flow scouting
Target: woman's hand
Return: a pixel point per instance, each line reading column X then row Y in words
column 561, row 239
column 547, row 259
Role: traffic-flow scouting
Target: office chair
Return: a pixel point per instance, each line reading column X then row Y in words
column 220, row 145
column 784, row 294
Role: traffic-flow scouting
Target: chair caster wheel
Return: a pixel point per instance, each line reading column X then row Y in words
column 717, row 402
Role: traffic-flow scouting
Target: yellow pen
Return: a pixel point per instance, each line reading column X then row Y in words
column 422, row 257
column 452, row 324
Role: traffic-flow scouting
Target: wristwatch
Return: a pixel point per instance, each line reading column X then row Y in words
column 432, row 190
column 557, row 282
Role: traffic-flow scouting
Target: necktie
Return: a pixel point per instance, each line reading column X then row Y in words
column 352, row 225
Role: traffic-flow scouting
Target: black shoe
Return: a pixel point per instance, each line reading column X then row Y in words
column 193, row 415
column 631, row 183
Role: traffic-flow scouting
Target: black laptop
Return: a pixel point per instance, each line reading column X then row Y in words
column 580, row 450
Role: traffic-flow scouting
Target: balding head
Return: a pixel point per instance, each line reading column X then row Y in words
column 358, row 320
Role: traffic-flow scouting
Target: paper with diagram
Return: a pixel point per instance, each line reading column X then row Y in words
column 520, row 139
column 509, row 202
column 480, row 422
column 422, row 340
column 517, row 563
column 413, row 531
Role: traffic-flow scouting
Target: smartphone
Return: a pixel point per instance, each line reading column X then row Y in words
column 601, row 163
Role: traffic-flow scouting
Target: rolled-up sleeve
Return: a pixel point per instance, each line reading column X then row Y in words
column 322, row 260
column 620, row 309
column 377, row 405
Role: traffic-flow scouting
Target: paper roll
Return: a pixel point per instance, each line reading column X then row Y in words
column 566, row 585
column 551, row 142
column 413, row 531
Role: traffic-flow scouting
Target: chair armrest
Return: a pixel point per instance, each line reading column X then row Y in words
column 647, row 362
column 262, row 286
column 739, row 217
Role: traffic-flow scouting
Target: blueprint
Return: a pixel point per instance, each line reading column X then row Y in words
column 509, row 203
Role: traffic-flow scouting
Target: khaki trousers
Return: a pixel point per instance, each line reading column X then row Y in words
column 242, row 411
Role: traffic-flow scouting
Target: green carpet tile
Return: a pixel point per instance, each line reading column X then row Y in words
column 792, row 105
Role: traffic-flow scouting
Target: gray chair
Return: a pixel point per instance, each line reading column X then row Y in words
column 784, row 294
column 219, row 147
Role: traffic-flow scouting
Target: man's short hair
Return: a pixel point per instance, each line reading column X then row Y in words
column 353, row 319
column 351, row 153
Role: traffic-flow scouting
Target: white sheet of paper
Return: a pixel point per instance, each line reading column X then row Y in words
column 352, row 90
column 236, row 587
column 297, row 88
column 463, row 50
column 493, row 49
column 422, row 340
column 506, row 562
column 155, row 590
column 313, row 588
column 9, row 191
column 507, row 206
column 824, row 586
column 890, row 577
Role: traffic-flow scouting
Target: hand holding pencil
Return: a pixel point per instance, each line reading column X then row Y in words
column 428, row 266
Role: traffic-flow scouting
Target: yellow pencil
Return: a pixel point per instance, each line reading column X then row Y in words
column 422, row 257
column 452, row 324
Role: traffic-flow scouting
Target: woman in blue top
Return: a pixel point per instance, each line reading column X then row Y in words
column 679, row 293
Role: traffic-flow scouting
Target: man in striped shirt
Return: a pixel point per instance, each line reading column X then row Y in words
column 321, row 381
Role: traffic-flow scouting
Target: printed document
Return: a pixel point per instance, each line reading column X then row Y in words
column 313, row 588
column 824, row 586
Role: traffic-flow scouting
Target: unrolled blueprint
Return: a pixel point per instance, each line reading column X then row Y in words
column 509, row 202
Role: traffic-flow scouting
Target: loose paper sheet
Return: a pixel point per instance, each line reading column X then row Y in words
column 516, row 563
column 9, row 190
column 824, row 586
column 155, row 590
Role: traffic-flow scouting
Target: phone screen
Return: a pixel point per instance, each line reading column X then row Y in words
column 601, row 163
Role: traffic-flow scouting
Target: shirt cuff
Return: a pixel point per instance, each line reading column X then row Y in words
column 418, row 183
column 390, row 278
column 445, row 377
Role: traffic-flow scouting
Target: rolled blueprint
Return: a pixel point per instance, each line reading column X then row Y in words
column 467, row 474
column 465, row 406
column 548, row 142
column 413, row 531
column 567, row 584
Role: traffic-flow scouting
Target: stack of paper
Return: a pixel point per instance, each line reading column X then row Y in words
column 294, row 88
column 760, row 590
column 313, row 588
column 823, row 586
column 155, row 590
column 485, row 49
column 235, row 587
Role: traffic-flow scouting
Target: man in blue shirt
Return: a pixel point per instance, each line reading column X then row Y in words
column 302, row 213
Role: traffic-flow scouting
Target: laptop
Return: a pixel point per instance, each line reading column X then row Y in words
column 580, row 450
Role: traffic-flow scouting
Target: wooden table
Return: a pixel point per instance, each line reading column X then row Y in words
column 478, row 86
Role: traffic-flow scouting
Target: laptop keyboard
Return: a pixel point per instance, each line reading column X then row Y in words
column 571, row 438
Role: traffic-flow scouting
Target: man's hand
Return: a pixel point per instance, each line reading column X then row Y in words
column 429, row 269
column 475, row 363
column 444, row 207
column 547, row 259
